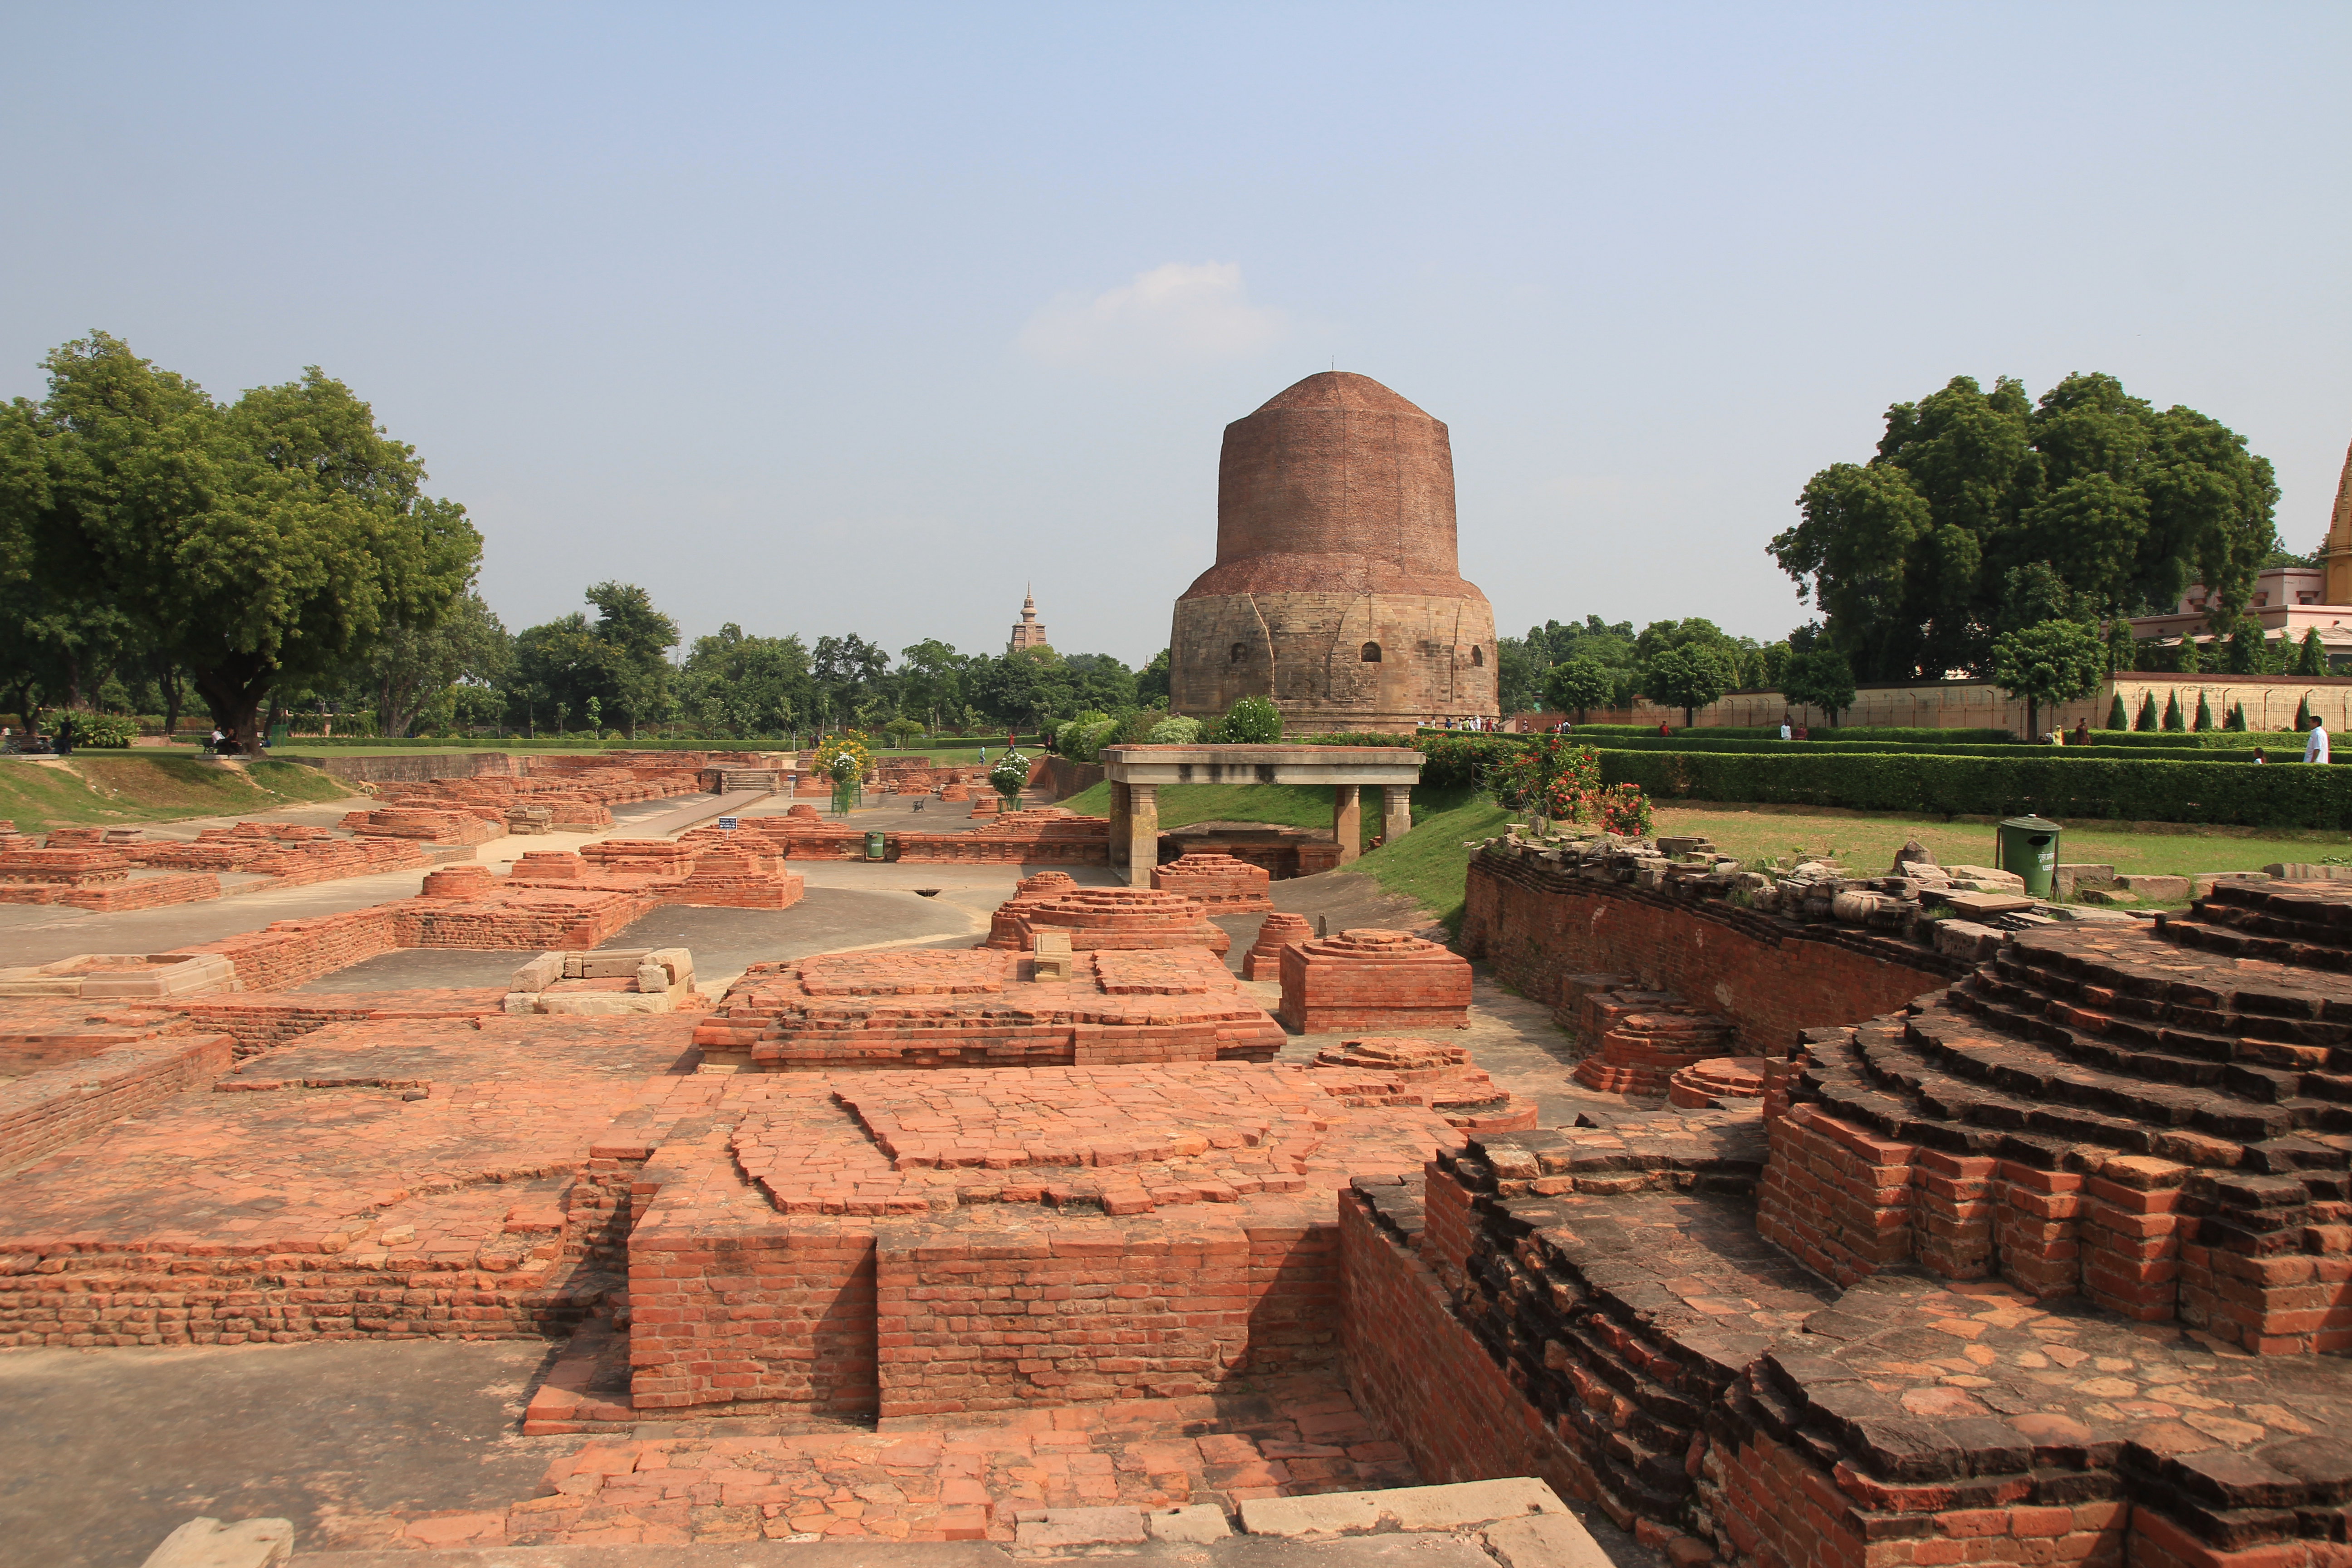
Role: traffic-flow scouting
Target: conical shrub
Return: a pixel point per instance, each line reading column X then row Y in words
column 2172, row 713
column 2116, row 717
column 2204, row 712
column 2147, row 720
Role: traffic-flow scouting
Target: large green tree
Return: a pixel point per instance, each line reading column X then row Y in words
column 2057, row 661
column 264, row 543
column 618, row 662
column 1580, row 684
column 746, row 685
column 2097, row 499
column 415, row 667
column 1819, row 677
column 1689, row 676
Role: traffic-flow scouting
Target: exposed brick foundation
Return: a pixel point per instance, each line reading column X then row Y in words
column 1538, row 926
column 985, row 1008
column 1372, row 980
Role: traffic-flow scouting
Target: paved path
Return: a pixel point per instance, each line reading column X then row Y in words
column 41, row 933
column 698, row 810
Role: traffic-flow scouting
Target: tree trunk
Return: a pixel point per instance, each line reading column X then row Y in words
column 168, row 677
column 233, row 691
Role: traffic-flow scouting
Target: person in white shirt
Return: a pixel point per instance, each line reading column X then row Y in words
column 2314, row 745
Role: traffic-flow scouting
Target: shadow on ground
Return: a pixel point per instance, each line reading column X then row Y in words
column 106, row 1452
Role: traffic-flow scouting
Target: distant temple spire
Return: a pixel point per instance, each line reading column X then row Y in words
column 1028, row 631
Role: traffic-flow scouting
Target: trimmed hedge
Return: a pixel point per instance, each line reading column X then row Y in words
column 1700, row 741
column 1772, row 733
column 2204, row 740
column 2044, row 781
column 520, row 744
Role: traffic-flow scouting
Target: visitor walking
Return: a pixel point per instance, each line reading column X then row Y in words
column 65, row 736
column 2082, row 733
column 2314, row 745
column 2261, row 756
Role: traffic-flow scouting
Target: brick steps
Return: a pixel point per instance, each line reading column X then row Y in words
column 1645, row 1039
column 1702, row 1086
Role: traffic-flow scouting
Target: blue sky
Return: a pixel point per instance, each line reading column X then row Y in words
column 831, row 319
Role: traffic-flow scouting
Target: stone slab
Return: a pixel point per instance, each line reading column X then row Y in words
column 209, row 1543
column 1058, row 1528
column 1543, row 1541
column 1200, row 1524
column 1461, row 1505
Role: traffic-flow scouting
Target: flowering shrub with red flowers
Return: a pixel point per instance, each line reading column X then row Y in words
column 1624, row 810
column 1554, row 780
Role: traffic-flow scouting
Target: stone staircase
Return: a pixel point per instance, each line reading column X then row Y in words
column 732, row 781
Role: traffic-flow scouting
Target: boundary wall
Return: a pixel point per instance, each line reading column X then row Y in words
column 2270, row 701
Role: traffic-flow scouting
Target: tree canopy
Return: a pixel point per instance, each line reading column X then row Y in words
column 255, row 544
column 2056, row 661
column 2093, row 502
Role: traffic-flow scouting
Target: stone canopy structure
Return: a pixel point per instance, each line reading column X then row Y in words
column 1337, row 591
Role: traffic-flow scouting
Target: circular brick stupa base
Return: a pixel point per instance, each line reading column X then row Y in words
column 1100, row 918
column 1704, row 1085
column 1264, row 960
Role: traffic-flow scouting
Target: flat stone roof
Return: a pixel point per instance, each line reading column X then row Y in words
column 1261, row 764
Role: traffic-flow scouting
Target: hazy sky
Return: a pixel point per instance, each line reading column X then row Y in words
column 855, row 318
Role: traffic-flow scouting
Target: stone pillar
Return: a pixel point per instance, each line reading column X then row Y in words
column 1348, row 820
column 1142, row 834
column 1396, row 811
column 1118, row 809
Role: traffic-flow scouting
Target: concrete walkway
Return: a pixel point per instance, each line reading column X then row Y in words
column 700, row 809
column 41, row 933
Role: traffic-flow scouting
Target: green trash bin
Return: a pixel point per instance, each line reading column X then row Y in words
column 874, row 841
column 2029, row 847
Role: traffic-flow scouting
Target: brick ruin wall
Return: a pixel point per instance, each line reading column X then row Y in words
column 1772, row 978
column 260, row 1023
column 287, row 953
column 43, row 1112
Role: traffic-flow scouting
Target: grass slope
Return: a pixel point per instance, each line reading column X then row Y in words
column 1427, row 866
column 1430, row 864
column 89, row 791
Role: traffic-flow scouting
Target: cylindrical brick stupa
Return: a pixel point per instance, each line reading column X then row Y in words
column 1337, row 590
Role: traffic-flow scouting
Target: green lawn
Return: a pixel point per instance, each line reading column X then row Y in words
column 1867, row 841
column 1430, row 866
column 97, row 789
